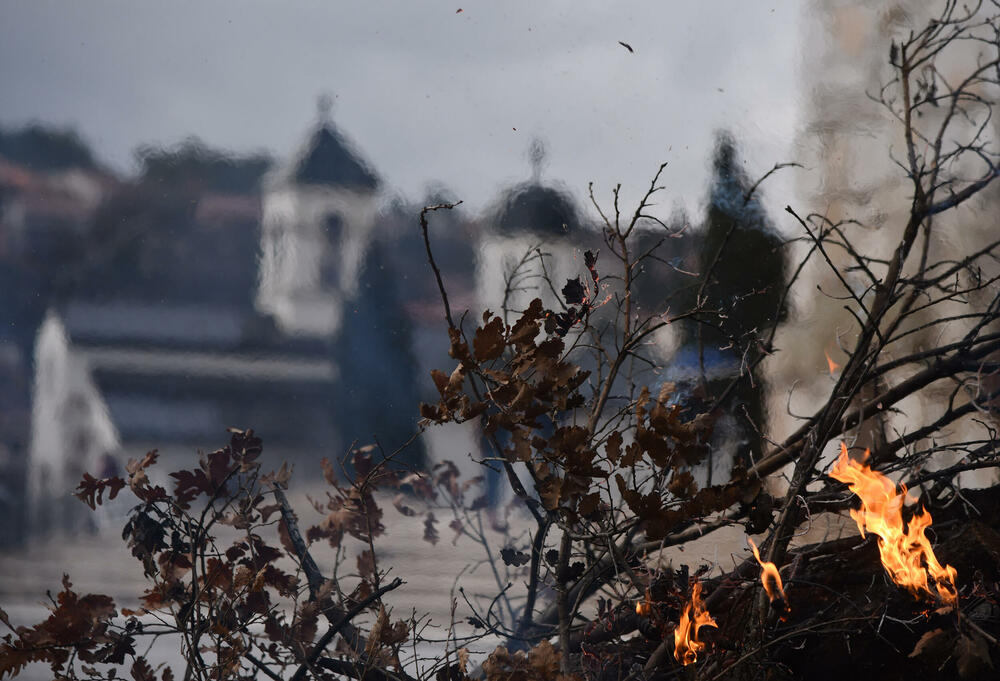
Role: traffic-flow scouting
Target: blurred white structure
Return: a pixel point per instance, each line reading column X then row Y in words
column 318, row 215
column 848, row 144
column 528, row 222
column 71, row 430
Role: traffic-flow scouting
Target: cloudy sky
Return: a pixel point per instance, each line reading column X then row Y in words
column 429, row 94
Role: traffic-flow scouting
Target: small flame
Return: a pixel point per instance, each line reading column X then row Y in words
column 644, row 606
column 770, row 578
column 833, row 366
column 694, row 617
column 905, row 551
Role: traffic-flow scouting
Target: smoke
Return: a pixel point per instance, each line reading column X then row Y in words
column 854, row 150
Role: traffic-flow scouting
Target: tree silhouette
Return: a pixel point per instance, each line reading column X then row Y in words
column 743, row 271
column 377, row 367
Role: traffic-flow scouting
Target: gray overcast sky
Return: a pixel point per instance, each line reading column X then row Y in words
column 429, row 95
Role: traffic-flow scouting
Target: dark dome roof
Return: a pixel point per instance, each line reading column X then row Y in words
column 537, row 209
column 329, row 160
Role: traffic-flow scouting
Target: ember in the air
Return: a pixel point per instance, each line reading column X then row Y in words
column 831, row 365
column 905, row 550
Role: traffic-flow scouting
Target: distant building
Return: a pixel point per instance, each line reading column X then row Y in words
column 50, row 190
column 151, row 339
column 114, row 380
column 318, row 219
column 529, row 222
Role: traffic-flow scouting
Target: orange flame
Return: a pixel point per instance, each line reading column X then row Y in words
column 769, row 577
column 905, row 551
column 643, row 606
column 694, row 617
column 833, row 366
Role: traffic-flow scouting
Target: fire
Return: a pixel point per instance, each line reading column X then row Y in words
column 643, row 606
column 770, row 578
column 694, row 617
column 833, row 366
column 905, row 551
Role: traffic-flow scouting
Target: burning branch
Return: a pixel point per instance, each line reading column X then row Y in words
column 905, row 550
column 687, row 645
column 771, row 579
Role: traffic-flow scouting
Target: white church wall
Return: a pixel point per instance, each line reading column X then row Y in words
column 71, row 432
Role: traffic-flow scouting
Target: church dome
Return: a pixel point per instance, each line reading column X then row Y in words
column 534, row 208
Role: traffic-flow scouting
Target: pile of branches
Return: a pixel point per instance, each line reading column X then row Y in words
column 607, row 467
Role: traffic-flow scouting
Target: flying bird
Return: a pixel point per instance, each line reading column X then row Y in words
column 626, row 46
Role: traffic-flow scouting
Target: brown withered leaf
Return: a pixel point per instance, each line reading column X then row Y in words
column 644, row 506
column 395, row 634
column 421, row 486
column 430, row 531
column 141, row 671
column 446, row 475
column 655, row 446
column 91, row 490
column 520, row 446
column 440, row 381
column 285, row 538
column 15, row 656
column 488, row 343
column 456, row 527
column 459, row 348
column 375, row 636
column 682, row 484
column 456, row 379
column 135, row 465
column 452, row 672
column 526, row 328
column 511, row 556
column 472, row 482
column 633, row 454
column 242, row 577
column 218, row 575
column 589, row 504
column 590, row 262
column 283, row 475
column 191, row 483
column 550, row 491
column 363, row 461
column 384, row 635
column 501, row 665
column 972, row 656
column 552, row 349
column 544, row 660
column 613, row 447
column 366, row 565
column 573, row 292
column 399, row 501
column 934, row 645
column 329, row 472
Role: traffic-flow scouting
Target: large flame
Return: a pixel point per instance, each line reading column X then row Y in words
column 906, row 552
column 694, row 617
column 770, row 578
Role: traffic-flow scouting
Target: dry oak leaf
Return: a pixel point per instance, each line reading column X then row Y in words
column 488, row 343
